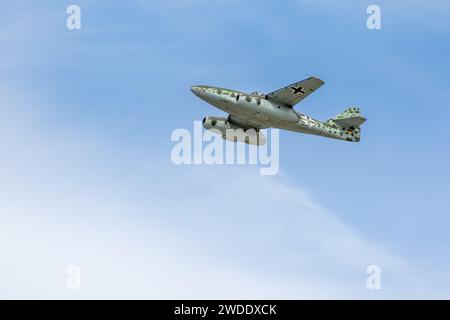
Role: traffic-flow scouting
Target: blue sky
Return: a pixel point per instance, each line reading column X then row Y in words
column 86, row 176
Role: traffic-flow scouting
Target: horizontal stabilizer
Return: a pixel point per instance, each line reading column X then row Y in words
column 349, row 118
column 350, row 122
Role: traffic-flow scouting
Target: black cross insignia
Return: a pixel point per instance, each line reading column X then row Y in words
column 298, row 90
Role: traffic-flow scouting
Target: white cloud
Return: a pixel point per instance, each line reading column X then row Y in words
column 162, row 231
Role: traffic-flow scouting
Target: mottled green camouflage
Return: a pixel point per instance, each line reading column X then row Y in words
column 258, row 111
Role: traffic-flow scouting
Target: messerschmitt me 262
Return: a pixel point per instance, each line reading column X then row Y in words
column 248, row 113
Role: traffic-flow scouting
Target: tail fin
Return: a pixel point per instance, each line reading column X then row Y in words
column 349, row 121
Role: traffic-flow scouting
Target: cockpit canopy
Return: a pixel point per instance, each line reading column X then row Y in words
column 257, row 93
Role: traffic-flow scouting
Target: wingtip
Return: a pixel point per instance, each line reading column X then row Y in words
column 319, row 80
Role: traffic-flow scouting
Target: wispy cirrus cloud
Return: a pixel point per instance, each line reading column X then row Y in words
column 158, row 231
column 140, row 227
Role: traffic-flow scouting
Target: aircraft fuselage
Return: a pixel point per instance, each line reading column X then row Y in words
column 254, row 110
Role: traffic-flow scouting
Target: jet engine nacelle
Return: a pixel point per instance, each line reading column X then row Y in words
column 233, row 132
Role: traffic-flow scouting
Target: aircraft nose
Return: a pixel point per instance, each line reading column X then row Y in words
column 195, row 90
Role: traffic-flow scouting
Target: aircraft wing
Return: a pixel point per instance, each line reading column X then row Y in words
column 253, row 122
column 258, row 136
column 296, row 92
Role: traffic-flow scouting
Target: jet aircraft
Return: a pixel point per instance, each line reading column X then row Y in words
column 248, row 113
